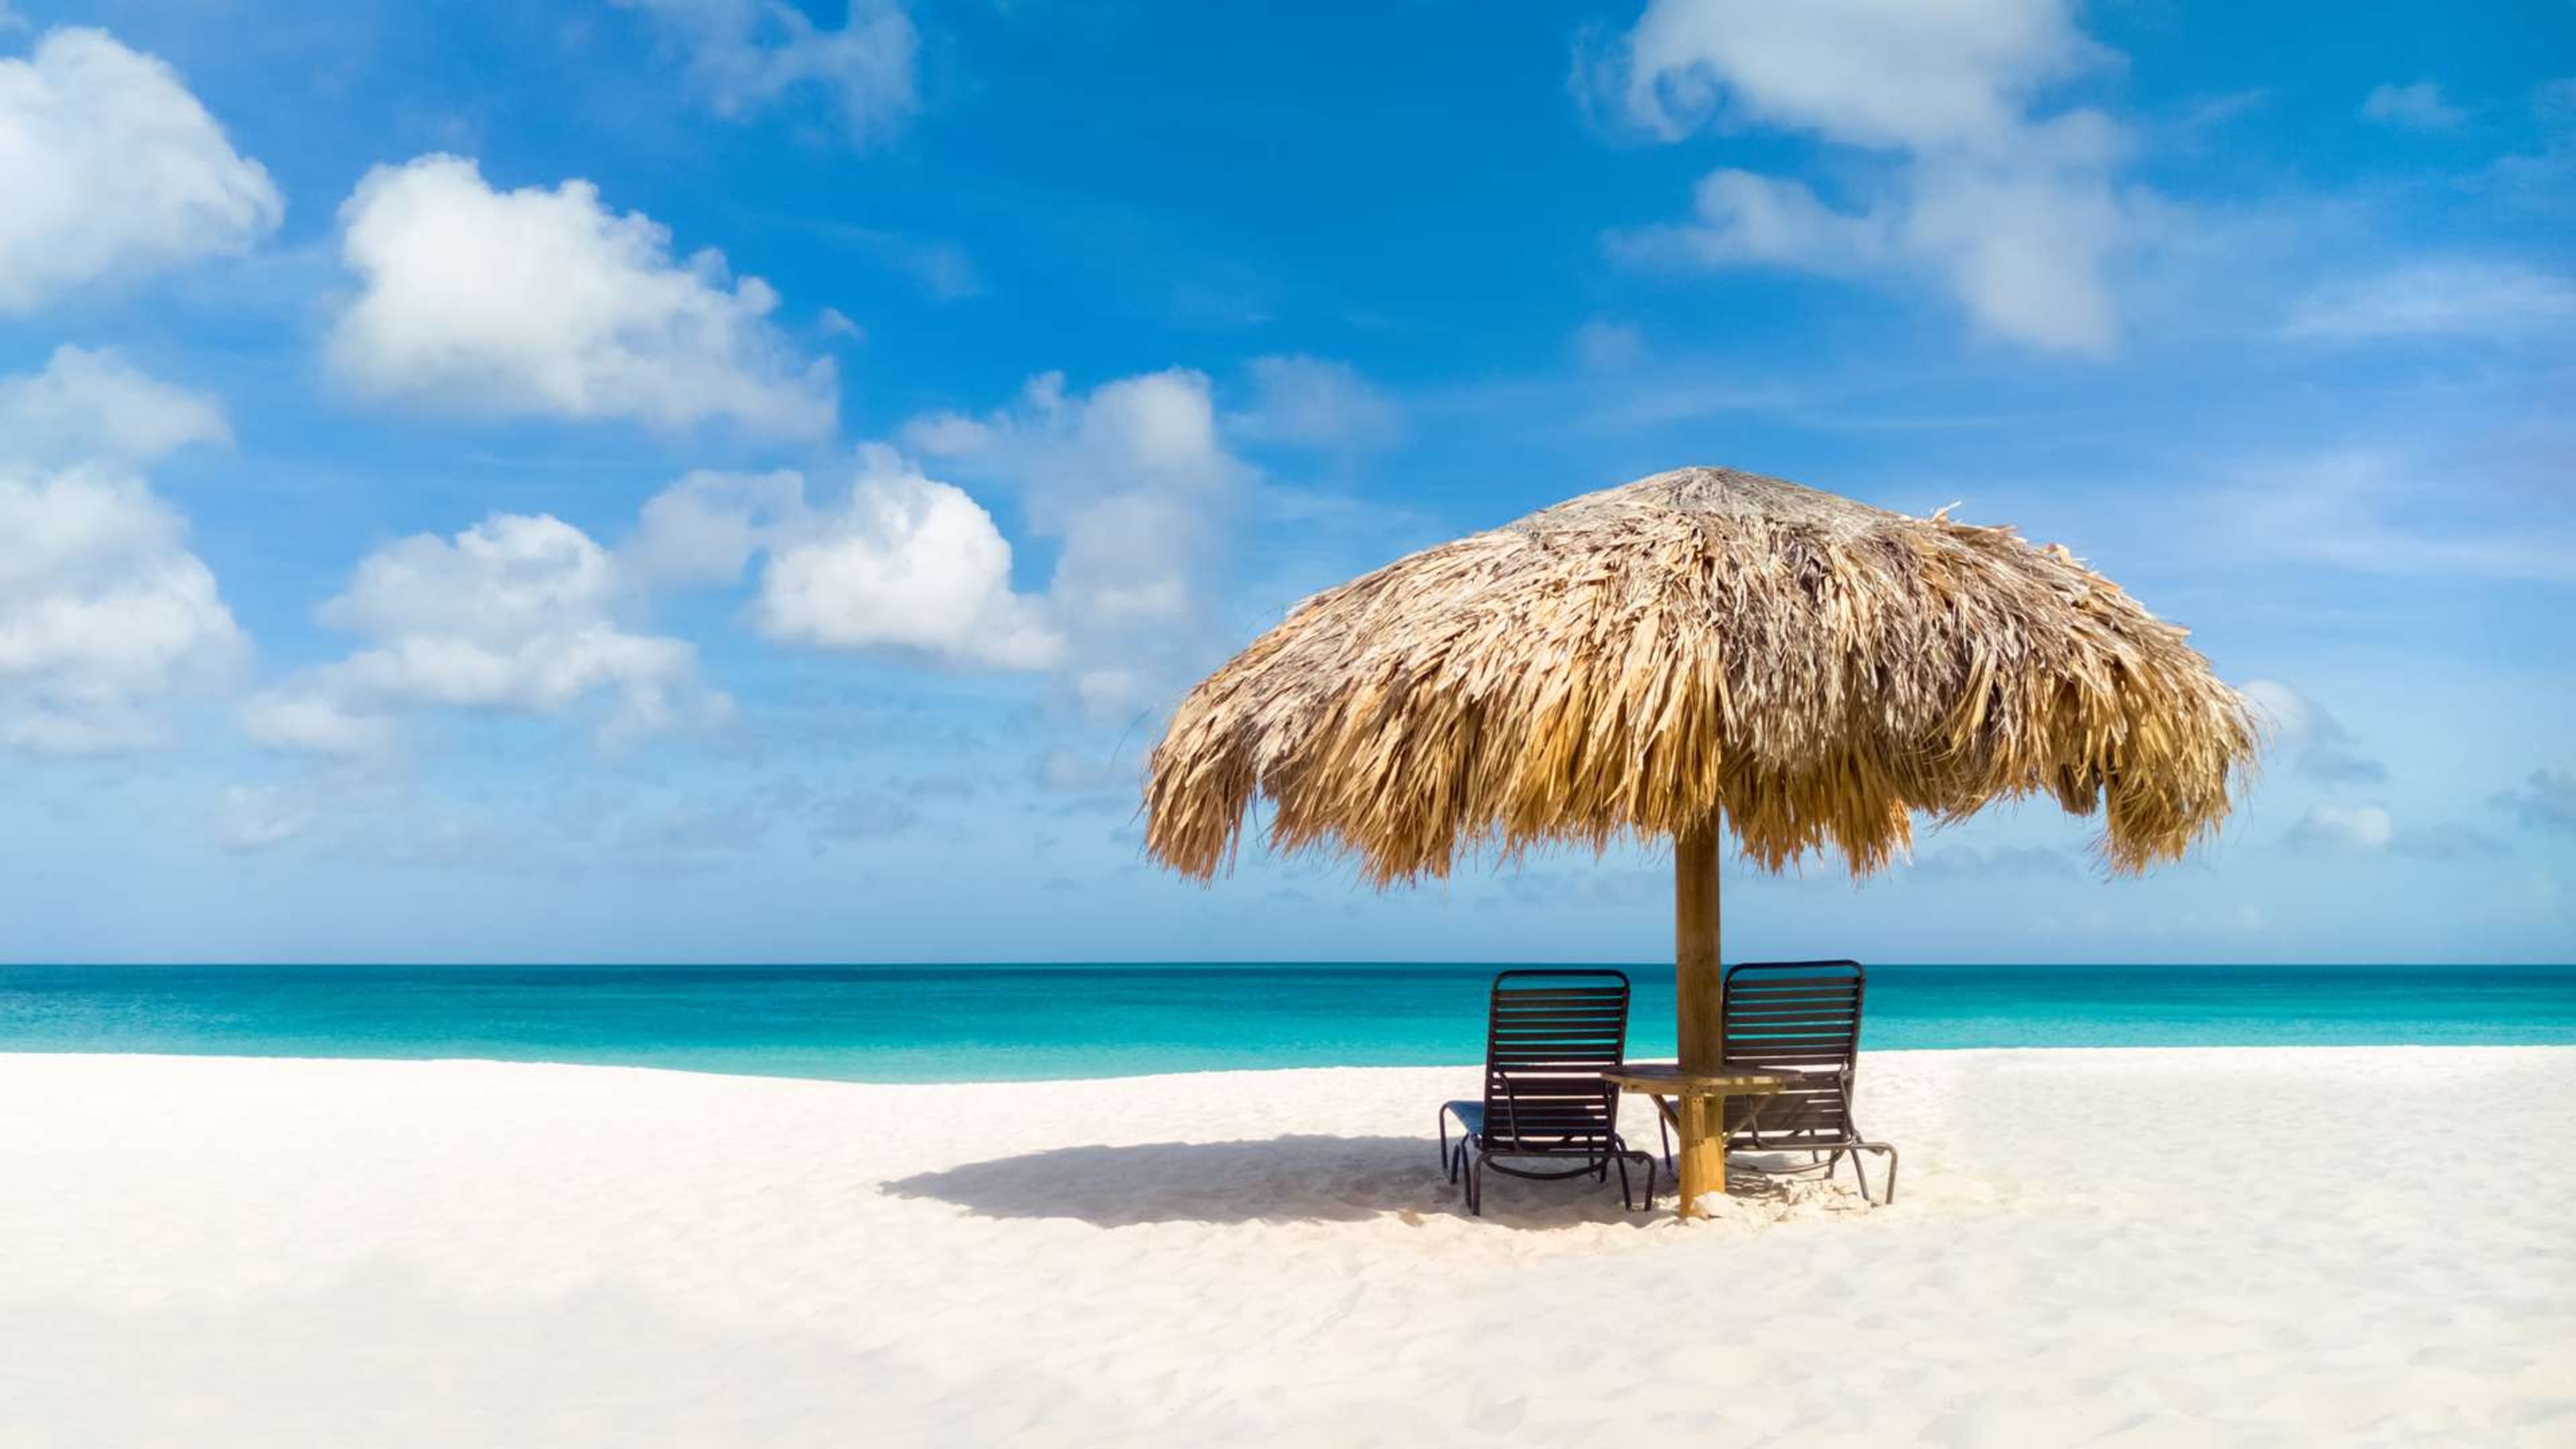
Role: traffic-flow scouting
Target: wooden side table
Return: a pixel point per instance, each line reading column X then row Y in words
column 1700, row 1120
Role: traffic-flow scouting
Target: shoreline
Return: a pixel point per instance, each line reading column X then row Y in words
column 1868, row 1054
column 2206, row 1244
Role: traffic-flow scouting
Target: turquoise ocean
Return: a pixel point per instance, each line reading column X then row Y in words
column 1001, row 1022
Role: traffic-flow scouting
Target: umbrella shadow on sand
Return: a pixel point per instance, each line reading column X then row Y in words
column 1301, row 1178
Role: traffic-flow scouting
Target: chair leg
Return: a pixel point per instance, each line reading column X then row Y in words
column 1444, row 1143
column 1475, row 1184
column 1645, row 1160
column 1862, row 1178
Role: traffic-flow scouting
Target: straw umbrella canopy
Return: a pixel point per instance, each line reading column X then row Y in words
column 1694, row 652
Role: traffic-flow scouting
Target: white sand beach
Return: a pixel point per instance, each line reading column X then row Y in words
column 2200, row 1247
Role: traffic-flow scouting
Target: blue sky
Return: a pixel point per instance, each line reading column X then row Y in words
column 720, row 480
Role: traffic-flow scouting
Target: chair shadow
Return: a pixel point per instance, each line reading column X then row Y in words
column 1294, row 1179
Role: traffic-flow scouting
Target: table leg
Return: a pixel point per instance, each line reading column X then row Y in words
column 1703, row 1150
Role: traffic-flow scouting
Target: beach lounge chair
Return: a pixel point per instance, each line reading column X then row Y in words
column 1548, row 1037
column 1800, row 1019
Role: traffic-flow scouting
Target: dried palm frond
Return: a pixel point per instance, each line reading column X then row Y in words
column 1703, row 646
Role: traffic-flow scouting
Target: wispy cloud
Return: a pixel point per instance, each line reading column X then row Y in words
column 2373, row 830
column 2325, row 748
column 2434, row 298
column 748, row 56
column 2416, row 106
column 2545, row 801
column 1317, row 403
column 2001, row 862
column 940, row 268
column 2374, row 513
column 2013, row 207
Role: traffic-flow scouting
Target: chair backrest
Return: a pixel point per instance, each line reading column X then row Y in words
column 1548, row 1038
column 1800, row 1018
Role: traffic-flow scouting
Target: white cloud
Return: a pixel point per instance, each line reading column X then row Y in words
column 1132, row 481
column 115, row 171
column 1138, row 487
column 901, row 563
column 256, row 817
column 2433, row 298
column 2325, row 748
column 546, row 302
column 2371, row 830
column 2015, row 211
column 2344, row 827
column 1744, row 218
column 1317, row 403
column 1969, row 862
column 1879, row 73
column 706, row 527
column 748, row 55
column 907, row 564
column 515, row 614
column 2418, row 106
column 103, row 611
column 313, row 721
column 88, row 407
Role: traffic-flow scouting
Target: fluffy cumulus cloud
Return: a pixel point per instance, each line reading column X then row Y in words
column 91, row 407
column 2014, row 210
column 518, row 614
column 1137, row 486
column 103, row 612
column 907, row 564
column 1133, row 483
column 547, row 302
column 749, row 55
column 114, row 171
column 900, row 563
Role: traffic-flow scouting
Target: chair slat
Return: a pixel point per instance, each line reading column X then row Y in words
column 1741, row 998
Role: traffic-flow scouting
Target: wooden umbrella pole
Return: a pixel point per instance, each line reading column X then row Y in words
column 1698, row 996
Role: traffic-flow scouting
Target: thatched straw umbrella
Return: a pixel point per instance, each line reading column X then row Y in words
column 1699, row 650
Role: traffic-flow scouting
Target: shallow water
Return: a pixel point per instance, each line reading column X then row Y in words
column 952, row 1023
